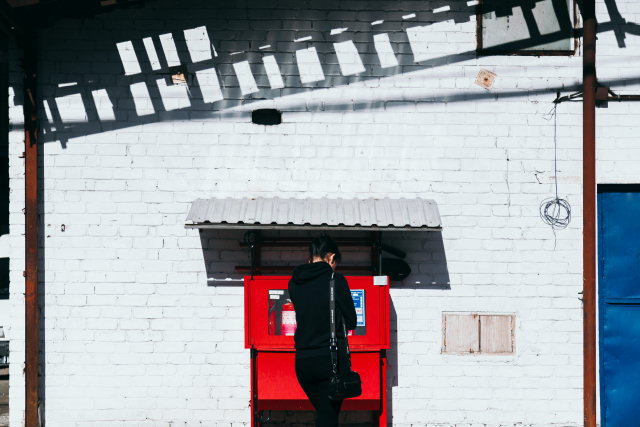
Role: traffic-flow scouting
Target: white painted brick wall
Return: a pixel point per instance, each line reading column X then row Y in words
column 135, row 333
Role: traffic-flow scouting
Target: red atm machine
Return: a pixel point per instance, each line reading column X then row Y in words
column 269, row 328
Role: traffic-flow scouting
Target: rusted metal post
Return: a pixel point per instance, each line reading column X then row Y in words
column 32, row 335
column 590, row 83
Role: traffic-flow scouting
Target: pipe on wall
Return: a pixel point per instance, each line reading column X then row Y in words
column 590, row 84
column 32, row 333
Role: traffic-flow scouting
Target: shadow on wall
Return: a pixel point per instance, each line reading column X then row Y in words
column 222, row 252
column 234, row 54
column 426, row 257
column 425, row 254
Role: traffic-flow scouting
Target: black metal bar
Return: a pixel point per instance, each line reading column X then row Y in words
column 621, row 98
column 376, row 252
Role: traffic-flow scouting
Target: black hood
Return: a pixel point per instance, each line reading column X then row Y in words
column 307, row 272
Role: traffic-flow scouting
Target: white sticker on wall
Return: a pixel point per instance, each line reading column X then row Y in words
column 309, row 65
column 380, row 280
column 348, row 58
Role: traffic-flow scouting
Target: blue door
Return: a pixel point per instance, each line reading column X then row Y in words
column 619, row 303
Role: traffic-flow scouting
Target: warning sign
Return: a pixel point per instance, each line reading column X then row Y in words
column 358, row 302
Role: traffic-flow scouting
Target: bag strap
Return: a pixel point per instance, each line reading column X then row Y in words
column 333, row 341
column 346, row 344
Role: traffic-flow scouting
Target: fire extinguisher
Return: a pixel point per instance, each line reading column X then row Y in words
column 288, row 324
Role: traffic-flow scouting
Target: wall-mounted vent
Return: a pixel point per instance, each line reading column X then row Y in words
column 266, row 116
column 475, row 333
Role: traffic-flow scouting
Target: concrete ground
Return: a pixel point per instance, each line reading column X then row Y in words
column 4, row 397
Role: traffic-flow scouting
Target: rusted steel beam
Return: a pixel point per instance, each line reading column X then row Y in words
column 32, row 336
column 590, row 84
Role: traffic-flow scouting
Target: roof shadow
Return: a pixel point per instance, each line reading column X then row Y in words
column 251, row 53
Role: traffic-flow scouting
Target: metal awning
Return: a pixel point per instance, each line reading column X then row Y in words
column 305, row 214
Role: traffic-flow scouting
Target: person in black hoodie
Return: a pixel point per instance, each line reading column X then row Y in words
column 309, row 293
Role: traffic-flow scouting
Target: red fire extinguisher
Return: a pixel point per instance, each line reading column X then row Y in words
column 288, row 323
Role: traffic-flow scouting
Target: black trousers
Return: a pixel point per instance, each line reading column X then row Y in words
column 313, row 369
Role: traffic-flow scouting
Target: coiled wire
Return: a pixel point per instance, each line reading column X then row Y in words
column 555, row 211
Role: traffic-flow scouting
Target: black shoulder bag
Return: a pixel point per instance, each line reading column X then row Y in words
column 344, row 384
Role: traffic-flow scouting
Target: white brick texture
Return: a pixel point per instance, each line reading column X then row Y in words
column 138, row 333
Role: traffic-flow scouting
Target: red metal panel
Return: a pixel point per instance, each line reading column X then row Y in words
column 256, row 297
column 257, row 314
column 274, row 385
column 278, row 388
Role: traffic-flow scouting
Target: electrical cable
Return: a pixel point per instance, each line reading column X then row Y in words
column 555, row 211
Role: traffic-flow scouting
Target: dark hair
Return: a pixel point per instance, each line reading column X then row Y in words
column 321, row 246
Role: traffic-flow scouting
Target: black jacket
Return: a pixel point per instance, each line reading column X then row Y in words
column 309, row 293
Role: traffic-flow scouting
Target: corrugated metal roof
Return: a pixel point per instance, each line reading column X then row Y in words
column 348, row 214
